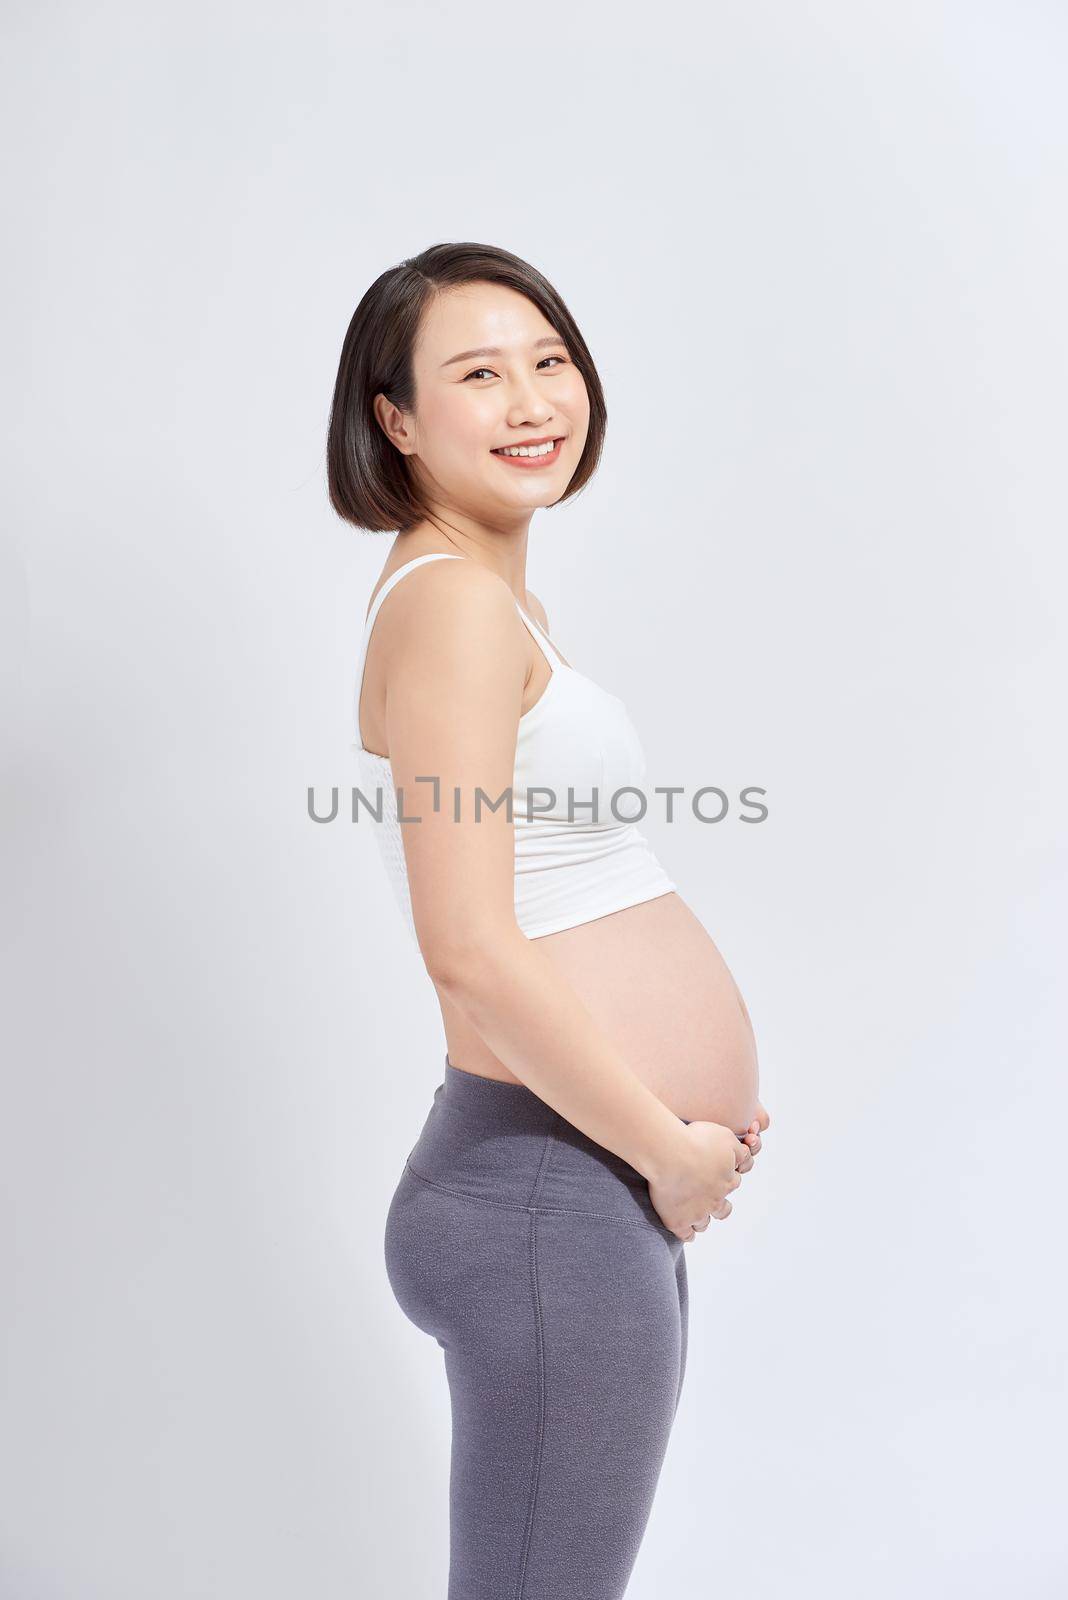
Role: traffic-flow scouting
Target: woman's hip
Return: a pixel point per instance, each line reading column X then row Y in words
column 489, row 1140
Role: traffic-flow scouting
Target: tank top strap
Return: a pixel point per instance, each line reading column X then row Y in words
column 395, row 577
column 543, row 640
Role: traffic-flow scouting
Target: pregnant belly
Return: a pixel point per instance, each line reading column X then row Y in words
column 655, row 981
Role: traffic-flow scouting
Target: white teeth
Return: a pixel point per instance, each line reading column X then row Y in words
column 534, row 450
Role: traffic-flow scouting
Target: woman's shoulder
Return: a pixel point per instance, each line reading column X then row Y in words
column 454, row 591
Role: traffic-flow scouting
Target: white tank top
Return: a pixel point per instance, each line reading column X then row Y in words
column 568, row 869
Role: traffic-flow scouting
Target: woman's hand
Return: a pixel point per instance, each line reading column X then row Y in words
column 705, row 1167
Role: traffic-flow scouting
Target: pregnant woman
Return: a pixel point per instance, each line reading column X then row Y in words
column 599, row 1098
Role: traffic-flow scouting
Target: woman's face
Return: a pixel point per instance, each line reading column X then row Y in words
column 490, row 372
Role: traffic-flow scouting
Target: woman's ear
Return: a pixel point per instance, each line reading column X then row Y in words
column 394, row 424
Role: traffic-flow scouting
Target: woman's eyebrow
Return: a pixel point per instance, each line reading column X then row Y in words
column 494, row 350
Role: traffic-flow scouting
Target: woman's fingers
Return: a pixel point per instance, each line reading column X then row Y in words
column 720, row 1212
column 743, row 1156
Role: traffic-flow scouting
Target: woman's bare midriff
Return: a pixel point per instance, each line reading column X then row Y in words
column 655, row 981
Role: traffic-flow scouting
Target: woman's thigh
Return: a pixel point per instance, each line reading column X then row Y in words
column 564, row 1338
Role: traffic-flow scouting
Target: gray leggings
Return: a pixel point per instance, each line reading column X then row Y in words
column 536, row 1260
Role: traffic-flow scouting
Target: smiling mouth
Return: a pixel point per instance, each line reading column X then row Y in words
column 539, row 456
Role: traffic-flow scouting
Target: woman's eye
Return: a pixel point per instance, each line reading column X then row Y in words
column 477, row 370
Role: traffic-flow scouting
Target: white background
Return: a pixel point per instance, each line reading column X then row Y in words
column 819, row 254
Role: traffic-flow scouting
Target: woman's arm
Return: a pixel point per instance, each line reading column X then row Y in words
column 455, row 659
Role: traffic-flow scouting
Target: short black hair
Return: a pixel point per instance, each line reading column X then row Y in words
column 369, row 481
